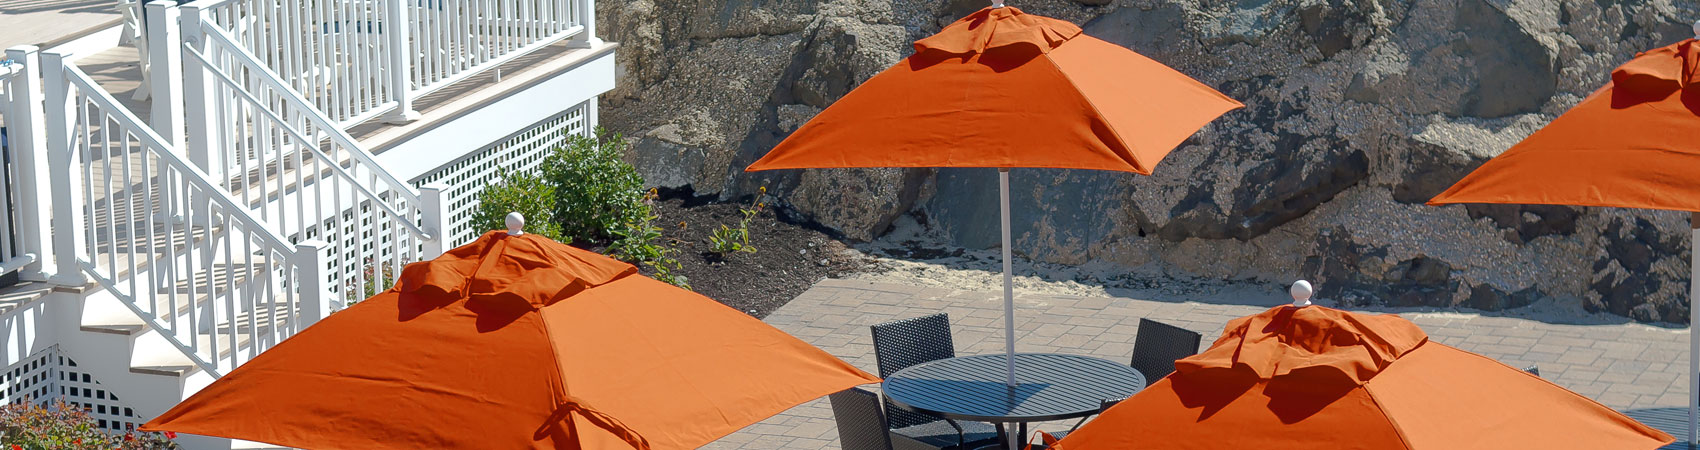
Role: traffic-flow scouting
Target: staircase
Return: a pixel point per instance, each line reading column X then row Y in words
column 240, row 211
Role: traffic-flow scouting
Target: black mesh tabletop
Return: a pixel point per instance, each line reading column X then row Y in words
column 1051, row 387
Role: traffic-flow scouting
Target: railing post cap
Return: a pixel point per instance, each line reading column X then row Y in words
column 1301, row 291
column 516, row 224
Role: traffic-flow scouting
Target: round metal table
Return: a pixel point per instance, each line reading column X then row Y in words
column 1049, row 387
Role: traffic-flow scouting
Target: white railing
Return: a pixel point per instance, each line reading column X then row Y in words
column 23, row 214
column 277, row 153
column 166, row 239
column 453, row 39
column 333, row 52
column 341, row 54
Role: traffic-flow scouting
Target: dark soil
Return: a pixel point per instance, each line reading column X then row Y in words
column 789, row 257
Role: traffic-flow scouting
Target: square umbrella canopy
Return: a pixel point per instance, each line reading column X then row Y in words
column 1002, row 88
column 1635, row 143
column 1309, row 377
column 517, row 341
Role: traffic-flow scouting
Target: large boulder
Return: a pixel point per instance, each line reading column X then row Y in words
column 1357, row 112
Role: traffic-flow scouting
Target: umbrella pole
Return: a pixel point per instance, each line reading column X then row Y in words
column 1008, row 279
column 1694, row 329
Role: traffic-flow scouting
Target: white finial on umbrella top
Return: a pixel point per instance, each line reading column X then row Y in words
column 997, row 3
column 1696, row 27
column 1301, row 293
column 516, row 224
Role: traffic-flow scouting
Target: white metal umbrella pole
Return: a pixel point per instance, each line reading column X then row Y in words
column 1008, row 279
column 1694, row 325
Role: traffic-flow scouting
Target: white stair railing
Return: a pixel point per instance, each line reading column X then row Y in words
column 342, row 55
column 276, row 152
column 164, row 238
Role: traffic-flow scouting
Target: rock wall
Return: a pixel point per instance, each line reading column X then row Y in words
column 1356, row 112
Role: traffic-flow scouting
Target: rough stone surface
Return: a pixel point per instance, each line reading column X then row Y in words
column 1357, row 111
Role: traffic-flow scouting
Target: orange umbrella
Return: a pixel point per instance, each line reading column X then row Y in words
column 1309, row 377
column 517, row 342
column 1633, row 144
column 1002, row 88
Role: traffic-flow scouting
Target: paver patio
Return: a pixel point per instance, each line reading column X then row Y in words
column 1622, row 365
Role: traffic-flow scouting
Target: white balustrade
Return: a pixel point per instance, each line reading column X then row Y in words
column 454, row 39
column 170, row 242
column 341, row 55
column 295, row 167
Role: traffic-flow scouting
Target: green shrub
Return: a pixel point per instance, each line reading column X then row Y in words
column 597, row 194
column 530, row 195
column 62, row 426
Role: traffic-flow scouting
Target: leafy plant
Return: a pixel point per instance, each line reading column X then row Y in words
column 637, row 242
column 28, row 426
column 530, row 195
column 737, row 239
column 597, row 194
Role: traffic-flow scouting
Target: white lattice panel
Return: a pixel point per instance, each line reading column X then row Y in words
column 48, row 375
column 31, row 380
column 523, row 152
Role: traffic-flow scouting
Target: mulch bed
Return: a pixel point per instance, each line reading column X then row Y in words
column 789, row 257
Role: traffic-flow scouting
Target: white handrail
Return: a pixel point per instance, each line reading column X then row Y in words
column 165, row 228
column 267, row 132
column 152, row 141
column 337, row 169
column 335, row 132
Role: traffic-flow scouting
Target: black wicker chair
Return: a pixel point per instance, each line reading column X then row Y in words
column 902, row 343
column 1157, row 347
column 899, row 344
column 862, row 426
column 1533, row 369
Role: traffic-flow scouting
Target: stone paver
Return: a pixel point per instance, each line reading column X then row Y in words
column 1623, row 365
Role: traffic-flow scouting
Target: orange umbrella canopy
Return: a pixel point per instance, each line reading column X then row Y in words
column 517, row 342
column 1634, row 144
column 1001, row 88
column 1313, row 377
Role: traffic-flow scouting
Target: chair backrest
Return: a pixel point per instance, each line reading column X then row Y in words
column 1157, row 347
column 902, row 343
column 861, row 426
column 1534, row 369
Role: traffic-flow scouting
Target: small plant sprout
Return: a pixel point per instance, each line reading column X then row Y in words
column 727, row 240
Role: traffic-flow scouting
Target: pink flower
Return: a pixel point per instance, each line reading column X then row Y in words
column 17, row 447
column 171, row 435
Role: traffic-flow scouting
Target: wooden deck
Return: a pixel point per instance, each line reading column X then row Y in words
column 42, row 22
column 118, row 70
